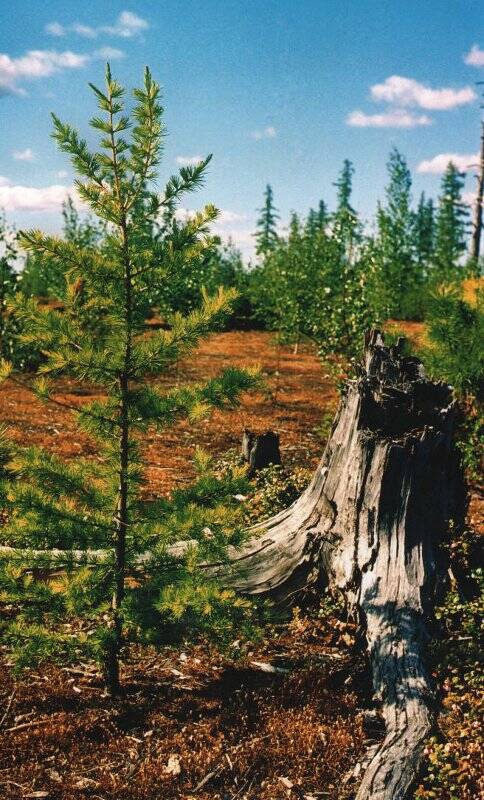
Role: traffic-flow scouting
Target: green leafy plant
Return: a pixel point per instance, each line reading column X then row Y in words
column 276, row 488
column 453, row 768
column 312, row 283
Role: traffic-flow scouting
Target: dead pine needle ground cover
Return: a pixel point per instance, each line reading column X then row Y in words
column 192, row 725
column 295, row 397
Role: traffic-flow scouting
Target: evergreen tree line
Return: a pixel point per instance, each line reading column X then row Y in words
column 327, row 278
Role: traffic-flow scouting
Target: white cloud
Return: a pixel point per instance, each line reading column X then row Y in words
column 188, row 161
column 228, row 225
column 35, row 64
column 265, row 133
column 61, row 174
column 108, row 53
column 82, row 30
column 408, row 92
column 31, row 198
column 54, row 29
column 126, row 26
column 24, row 155
column 475, row 56
column 438, row 164
column 396, row 118
column 227, row 217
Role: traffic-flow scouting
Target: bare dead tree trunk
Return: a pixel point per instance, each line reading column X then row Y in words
column 371, row 525
column 477, row 222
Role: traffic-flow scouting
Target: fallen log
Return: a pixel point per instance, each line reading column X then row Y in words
column 370, row 526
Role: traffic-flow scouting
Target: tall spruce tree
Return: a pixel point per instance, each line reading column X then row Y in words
column 322, row 215
column 398, row 273
column 424, row 224
column 451, row 226
column 85, row 504
column 346, row 227
column 266, row 230
column 317, row 219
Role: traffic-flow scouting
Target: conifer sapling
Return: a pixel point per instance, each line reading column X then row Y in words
column 100, row 338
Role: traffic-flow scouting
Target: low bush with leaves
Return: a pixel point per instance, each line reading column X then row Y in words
column 454, row 757
column 276, row 488
column 271, row 490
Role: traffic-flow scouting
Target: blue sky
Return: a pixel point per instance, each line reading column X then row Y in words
column 279, row 92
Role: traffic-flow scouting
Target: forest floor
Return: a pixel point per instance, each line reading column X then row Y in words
column 288, row 721
column 295, row 398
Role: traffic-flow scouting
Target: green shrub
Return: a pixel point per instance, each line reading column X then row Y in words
column 276, row 488
column 453, row 757
column 456, row 334
column 455, row 354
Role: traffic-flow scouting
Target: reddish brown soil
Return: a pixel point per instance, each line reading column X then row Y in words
column 190, row 720
column 293, row 403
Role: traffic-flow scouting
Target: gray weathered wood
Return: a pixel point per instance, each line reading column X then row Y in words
column 370, row 525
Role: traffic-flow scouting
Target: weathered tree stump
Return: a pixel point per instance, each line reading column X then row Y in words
column 370, row 525
column 260, row 450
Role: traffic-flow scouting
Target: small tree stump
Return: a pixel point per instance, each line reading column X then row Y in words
column 260, row 450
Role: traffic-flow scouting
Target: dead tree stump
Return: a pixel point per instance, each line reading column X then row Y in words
column 260, row 450
column 371, row 525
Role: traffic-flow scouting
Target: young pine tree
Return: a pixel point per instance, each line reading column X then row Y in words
column 451, row 226
column 89, row 505
column 266, row 232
